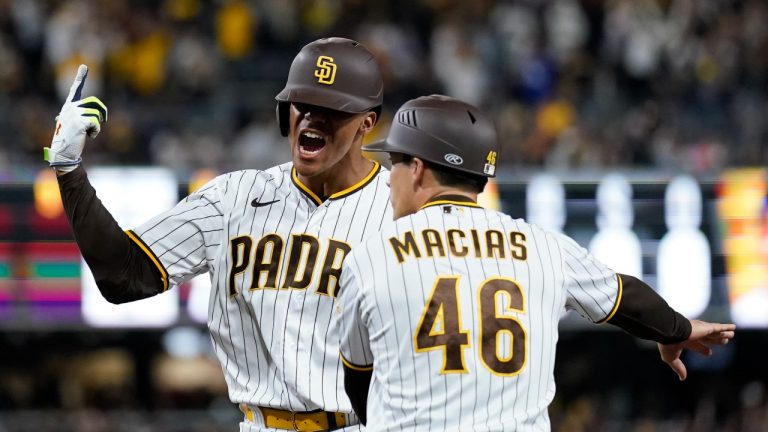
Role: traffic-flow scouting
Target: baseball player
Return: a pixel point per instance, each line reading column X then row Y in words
column 273, row 241
column 454, row 308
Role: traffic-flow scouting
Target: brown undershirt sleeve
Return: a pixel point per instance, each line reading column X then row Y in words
column 124, row 269
column 644, row 314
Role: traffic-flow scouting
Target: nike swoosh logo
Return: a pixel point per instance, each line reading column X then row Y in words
column 256, row 203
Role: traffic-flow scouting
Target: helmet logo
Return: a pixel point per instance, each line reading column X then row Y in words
column 453, row 159
column 326, row 70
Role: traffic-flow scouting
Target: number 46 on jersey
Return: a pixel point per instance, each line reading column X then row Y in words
column 440, row 326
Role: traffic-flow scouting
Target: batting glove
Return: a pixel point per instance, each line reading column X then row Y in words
column 78, row 118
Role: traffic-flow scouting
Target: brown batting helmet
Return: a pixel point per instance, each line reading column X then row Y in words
column 444, row 131
column 336, row 73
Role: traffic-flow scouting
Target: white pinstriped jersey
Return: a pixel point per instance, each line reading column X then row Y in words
column 456, row 310
column 274, row 252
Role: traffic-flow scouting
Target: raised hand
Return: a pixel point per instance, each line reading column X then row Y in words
column 78, row 118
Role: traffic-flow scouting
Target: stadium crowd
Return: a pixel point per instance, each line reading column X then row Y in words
column 678, row 84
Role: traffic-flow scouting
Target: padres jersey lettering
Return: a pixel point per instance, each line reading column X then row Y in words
column 274, row 251
column 455, row 308
column 302, row 258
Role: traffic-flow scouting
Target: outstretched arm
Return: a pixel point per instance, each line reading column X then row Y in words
column 644, row 314
column 123, row 271
column 703, row 336
column 604, row 296
column 641, row 312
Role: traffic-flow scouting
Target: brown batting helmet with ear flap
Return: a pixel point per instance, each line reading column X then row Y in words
column 444, row 131
column 336, row 73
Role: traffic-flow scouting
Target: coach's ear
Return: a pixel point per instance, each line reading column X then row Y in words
column 418, row 170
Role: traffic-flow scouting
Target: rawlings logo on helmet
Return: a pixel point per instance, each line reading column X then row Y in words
column 453, row 159
column 326, row 70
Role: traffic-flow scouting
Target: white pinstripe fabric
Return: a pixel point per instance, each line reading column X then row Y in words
column 274, row 345
column 381, row 302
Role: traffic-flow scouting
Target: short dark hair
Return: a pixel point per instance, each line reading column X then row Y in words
column 451, row 177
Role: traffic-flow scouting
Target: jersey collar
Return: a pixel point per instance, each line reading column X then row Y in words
column 341, row 194
column 459, row 200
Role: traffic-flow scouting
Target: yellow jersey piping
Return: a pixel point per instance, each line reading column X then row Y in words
column 618, row 301
column 163, row 272
column 353, row 366
column 350, row 190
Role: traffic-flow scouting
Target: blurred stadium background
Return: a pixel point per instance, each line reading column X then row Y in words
column 613, row 99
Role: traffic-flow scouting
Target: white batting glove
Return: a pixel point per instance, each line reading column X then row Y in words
column 78, row 118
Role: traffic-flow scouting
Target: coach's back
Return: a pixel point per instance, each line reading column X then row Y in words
column 461, row 306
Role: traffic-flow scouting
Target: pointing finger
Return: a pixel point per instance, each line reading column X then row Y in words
column 77, row 86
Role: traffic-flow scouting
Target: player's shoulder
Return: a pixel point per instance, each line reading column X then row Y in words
column 389, row 229
column 559, row 238
column 232, row 183
column 275, row 172
column 536, row 234
column 372, row 241
column 281, row 171
column 518, row 224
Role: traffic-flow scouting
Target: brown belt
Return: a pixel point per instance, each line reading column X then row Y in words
column 309, row 421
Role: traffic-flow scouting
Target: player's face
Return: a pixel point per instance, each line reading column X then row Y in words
column 321, row 137
column 401, row 186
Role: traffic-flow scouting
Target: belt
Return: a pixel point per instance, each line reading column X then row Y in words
column 307, row 421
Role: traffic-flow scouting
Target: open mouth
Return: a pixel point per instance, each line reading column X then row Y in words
column 311, row 142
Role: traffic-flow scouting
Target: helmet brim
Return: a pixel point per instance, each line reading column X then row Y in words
column 386, row 147
column 327, row 98
column 379, row 147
